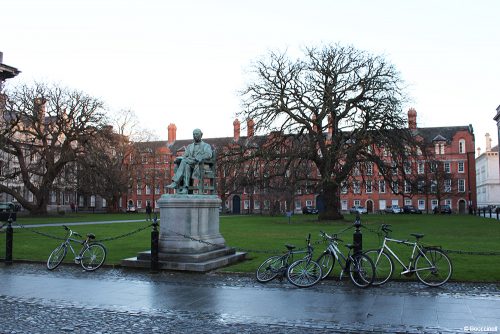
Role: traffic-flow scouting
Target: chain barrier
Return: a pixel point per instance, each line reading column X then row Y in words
column 449, row 251
column 100, row 240
column 246, row 250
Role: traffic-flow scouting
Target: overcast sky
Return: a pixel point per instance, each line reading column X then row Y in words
column 184, row 62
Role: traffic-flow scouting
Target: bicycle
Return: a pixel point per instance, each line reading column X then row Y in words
column 302, row 273
column 91, row 256
column 358, row 266
column 430, row 264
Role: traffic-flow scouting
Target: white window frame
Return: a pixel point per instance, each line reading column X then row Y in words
column 461, row 185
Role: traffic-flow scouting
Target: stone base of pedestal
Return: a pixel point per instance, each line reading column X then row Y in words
column 189, row 236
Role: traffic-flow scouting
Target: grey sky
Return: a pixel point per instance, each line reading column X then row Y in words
column 183, row 62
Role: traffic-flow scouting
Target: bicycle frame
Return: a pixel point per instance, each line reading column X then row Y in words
column 67, row 243
column 417, row 249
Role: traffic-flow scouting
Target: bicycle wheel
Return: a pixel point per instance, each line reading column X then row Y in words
column 384, row 266
column 269, row 269
column 56, row 257
column 93, row 257
column 361, row 270
column 433, row 267
column 326, row 261
column 304, row 273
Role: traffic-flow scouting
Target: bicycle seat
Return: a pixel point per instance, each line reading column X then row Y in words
column 90, row 236
column 417, row 235
column 290, row 247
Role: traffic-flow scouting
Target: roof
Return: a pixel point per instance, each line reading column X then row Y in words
column 441, row 133
column 7, row 72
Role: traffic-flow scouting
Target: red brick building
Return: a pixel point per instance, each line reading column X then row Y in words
column 449, row 156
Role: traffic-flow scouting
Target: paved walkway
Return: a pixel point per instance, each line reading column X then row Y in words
column 34, row 300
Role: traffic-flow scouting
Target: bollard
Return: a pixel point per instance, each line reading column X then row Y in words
column 154, row 245
column 490, row 212
column 357, row 237
column 8, row 242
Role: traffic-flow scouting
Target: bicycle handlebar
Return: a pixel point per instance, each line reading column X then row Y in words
column 332, row 237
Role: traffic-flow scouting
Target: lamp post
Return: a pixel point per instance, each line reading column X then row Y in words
column 357, row 237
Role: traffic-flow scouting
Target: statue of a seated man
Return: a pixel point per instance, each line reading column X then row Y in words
column 188, row 166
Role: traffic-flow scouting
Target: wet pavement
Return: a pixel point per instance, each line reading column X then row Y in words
column 117, row 300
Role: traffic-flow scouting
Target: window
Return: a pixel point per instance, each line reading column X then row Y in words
column 461, row 167
column 407, row 201
column 439, row 148
column 433, row 166
column 356, row 188
column 309, row 202
column 368, row 187
column 461, row 185
column 297, row 204
column 148, row 189
column 246, row 204
column 256, row 205
column 357, row 202
column 434, row 203
column 381, row 186
column 343, row 187
column 420, row 168
column 343, row 204
column 81, row 201
column 395, row 187
column 448, row 202
column 266, row 204
column 407, row 167
column 447, row 167
column 447, row 186
column 394, row 168
column 421, row 204
column 104, row 203
column 92, row 201
column 421, row 186
column 461, row 146
column 381, row 204
column 139, row 204
column 407, row 187
column 369, row 168
column 433, row 186
column 157, row 189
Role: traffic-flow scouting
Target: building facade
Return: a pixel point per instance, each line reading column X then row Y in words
column 451, row 148
column 488, row 176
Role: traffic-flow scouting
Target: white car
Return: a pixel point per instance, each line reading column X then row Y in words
column 358, row 209
column 393, row 209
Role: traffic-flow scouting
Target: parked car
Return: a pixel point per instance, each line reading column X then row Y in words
column 442, row 209
column 393, row 209
column 9, row 206
column 309, row 210
column 410, row 209
column 358, row 209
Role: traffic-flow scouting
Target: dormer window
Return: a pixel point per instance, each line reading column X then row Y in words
column 461, row 146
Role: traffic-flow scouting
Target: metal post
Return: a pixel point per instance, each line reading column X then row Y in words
column 8, row 242
column 357, row 237
column 154, row 245
column 490, row 212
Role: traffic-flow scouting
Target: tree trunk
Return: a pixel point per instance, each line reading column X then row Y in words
column 331, row 199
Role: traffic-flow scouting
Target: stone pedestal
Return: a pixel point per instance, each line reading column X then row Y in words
column 189, row 235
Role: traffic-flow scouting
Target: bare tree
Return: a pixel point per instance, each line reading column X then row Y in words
column 103, row 170
column 43, row 128
column 332, row 108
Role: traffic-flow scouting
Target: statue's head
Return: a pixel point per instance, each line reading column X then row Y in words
column 197, row 134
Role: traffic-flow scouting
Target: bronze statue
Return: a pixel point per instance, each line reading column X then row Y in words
column 188, row 164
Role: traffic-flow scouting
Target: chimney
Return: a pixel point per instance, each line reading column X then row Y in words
column 172, row 133
column 488, row 142
column 250, row 128
column 236, row 127
column 412, row 118
column 330, row 126
column 478, row 151
column 39, row 104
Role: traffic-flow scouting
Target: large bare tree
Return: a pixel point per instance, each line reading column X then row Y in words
column 334, row 108
column 43, row 128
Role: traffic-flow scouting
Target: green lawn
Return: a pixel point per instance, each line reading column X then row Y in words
column 263, row 235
